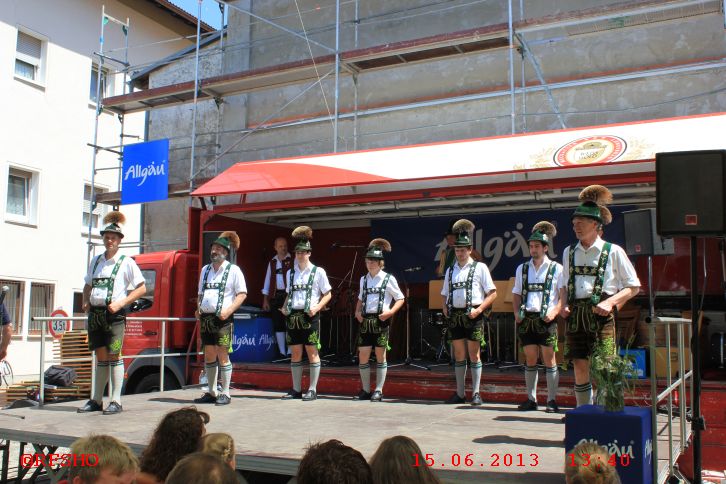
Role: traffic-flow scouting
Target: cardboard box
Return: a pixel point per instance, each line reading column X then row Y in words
column 661, row 361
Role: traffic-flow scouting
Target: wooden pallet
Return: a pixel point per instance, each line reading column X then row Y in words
column 71, row 346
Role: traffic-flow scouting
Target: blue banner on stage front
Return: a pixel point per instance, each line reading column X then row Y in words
column 145, row 172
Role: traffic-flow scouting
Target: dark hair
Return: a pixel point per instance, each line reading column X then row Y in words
column 179, row 433
column 202, row 468
column 333, row 462
column 393, row 462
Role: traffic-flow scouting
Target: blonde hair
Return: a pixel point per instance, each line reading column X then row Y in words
column 108, row 452
column 219, row 444
column 598, row 471
column 393, row 462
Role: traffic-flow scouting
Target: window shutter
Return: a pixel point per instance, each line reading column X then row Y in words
column 29, row 45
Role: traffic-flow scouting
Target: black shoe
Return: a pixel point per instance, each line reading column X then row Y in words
column 527, row 405
column 310, row 396
column 552, row 407
column 90, row 406
column 476, row 399
column 113, row 408
column 377, row 396
column 292, row 395
column 455, row 398
column 223, row 399
column 362, row 395
column 206, row 398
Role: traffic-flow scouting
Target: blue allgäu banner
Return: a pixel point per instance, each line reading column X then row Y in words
column 501, row 238
column 145, row 172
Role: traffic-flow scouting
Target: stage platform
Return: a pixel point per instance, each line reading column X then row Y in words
column 271, row 434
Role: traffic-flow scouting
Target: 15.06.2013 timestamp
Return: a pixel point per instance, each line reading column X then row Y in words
column 473, row 460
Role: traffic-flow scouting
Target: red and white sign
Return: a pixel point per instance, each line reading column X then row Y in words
column 57, row 327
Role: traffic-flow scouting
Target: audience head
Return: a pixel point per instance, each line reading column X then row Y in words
column 107, row 460
column 201, row 468
column 393, row 462
column 221, row 445
column 332, row 462
column 179, row 433
column 590, row 466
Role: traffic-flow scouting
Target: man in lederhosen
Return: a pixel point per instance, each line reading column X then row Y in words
column 308, row 291
column 104, row 299
column 468, row 293
column 597, row 279
column 536, row 303
column 274, row 290
column 222, row 289
column 374, row 313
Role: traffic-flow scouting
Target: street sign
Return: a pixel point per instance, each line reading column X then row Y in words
column 57, row 327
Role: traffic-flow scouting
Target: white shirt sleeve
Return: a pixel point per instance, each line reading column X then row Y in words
column 266, row 288
column 487, row 283
column 517, row 289
column 323, row 283
column 564, row 275
column 136, row 278
column 623, row 269
column 240, row 286
column 394, row 290
column 360, row 290
column 200, row 290
column 89, row 276
column 288, row 282
column 445, row 287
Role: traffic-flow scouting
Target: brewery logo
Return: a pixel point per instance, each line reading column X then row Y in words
column 590, row 151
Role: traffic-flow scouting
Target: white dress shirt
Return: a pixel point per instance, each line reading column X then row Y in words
column 619, row 272
column 481, row 285
column 128, row 274
column 279, row 277
column 534, row 298
column 235, row 285
column 321, row 286
column 392, row 292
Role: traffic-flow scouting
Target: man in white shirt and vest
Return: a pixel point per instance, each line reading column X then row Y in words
column 222, row 290
column 274, row 290
column 378, row 289
column 104, row 299
column 308, row 291
column 468, row 294
column 536, row 304
column 597, row 279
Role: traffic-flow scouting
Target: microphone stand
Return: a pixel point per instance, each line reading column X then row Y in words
column 408, row 361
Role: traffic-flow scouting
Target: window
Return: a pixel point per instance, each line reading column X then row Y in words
column 95, row 216
column 28, row 57
column 41, row 304
column 106, row 83
column 14, row 301
column 22, row 196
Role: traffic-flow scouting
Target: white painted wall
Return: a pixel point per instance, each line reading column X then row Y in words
column 45, row 128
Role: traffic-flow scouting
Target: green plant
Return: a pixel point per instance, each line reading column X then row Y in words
column 611, row 375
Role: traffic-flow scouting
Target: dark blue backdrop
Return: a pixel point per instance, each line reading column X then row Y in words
column 501, row 238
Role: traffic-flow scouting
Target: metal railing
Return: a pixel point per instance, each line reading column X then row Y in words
column 679, row 385
column 162, row 355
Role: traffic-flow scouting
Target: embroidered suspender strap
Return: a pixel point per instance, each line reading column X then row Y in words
column 598, row 272
column 106, row 282
column 547, row 290
column 381, row 291
column 462, row 285
column 308, row 288
column 525, row 289
column 219, row 286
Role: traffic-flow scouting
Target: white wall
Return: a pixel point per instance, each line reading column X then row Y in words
column 45, row 128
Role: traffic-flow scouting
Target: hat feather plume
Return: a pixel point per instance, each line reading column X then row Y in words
column 597, row 194
column 302, row 232
column 382, row 244
column 463, row 225
column 605, row 214
column 546, row 228
column 114, row 217
column 232, row 237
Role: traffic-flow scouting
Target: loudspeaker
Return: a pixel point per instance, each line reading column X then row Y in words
column 640, row 234
column 690, row 192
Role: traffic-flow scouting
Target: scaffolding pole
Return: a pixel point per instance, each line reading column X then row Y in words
column 194, row 106
column 99, row 108
column 510, row 26
column 337, row 75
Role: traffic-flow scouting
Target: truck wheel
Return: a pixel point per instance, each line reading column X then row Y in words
column 150, row 383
